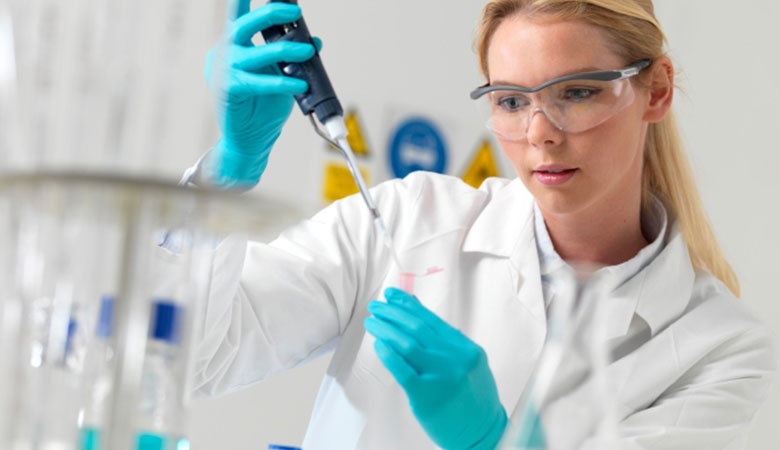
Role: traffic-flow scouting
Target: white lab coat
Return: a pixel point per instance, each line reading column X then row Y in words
column 692, row 364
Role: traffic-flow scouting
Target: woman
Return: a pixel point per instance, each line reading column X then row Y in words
column 601, row 179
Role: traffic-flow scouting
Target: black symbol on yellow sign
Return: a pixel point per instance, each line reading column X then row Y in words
column 482, row 166
column 355, row 136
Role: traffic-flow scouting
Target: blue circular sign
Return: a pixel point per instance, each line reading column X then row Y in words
column 417, row 144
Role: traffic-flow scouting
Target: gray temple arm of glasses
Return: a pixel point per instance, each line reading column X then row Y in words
column 609, row 75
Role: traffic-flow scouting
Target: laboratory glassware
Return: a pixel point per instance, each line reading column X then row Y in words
column 84, row 278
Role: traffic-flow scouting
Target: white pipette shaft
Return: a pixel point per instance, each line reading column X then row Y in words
column 337, row 130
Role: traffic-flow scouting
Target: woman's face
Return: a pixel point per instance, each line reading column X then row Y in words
column 607, row 159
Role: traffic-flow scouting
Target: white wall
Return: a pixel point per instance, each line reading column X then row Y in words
column 416, row 57
column 726, row 52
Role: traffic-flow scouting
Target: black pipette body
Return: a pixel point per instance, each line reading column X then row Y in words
column 320, row 98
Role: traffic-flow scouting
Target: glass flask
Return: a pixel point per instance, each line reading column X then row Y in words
column 569, row 402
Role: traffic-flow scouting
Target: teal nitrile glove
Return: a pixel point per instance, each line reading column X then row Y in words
column 253, row 98
column 445, row 374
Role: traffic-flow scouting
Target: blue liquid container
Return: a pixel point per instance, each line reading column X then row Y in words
column 98, row 379
column 160, row 408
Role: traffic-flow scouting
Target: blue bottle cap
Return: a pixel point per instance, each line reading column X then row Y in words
column 72, row 327
column 105, row 323
column 281, row 447
column 165, row 321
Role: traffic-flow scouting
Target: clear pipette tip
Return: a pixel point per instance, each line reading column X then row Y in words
column 388, row 242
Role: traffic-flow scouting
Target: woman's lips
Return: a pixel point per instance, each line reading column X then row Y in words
column 553, row 177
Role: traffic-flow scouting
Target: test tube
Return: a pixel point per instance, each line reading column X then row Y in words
column 407, row 279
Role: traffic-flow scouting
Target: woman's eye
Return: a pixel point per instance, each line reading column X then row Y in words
column 579, row 94
column 512, row 102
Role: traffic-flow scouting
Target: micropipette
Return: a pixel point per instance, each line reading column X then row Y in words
column 321, row 101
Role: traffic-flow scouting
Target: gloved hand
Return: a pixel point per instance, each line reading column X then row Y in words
column 254, row 99
column 445, row 375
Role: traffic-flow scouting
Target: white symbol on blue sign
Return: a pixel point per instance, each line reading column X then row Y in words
column 417, row 144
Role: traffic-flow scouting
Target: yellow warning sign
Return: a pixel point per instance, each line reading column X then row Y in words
column 482, row 166
column 355, row 135
column 338, row 182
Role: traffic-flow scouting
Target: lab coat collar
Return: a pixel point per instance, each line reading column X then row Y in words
column 663, row 289
column 620, row 306
column 659, row 293
column 655, row 222
column 504, row 223
column 504, row 228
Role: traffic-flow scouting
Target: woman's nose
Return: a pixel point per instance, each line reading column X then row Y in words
column 541, row 131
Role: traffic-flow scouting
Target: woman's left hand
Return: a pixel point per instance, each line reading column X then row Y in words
column 445, row 374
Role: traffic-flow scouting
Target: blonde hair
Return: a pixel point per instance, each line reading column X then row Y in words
column 634, row 34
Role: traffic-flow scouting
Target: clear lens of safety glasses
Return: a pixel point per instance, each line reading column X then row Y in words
column 574, row 103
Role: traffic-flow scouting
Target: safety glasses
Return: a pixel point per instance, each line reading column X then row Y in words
column 573, row 103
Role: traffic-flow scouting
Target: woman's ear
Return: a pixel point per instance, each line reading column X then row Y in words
column 660, row 88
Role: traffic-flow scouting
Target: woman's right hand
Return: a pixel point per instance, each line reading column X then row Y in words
column 253, row 97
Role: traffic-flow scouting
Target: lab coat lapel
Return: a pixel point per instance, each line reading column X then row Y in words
column 660, row 292
column 499, row 226
column 504, row 229
column 525, row 262
column 657, row 294
column 531, row 335
column 664, row 289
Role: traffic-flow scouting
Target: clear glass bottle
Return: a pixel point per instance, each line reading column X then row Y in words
column 160, row 406
column 97, row 379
